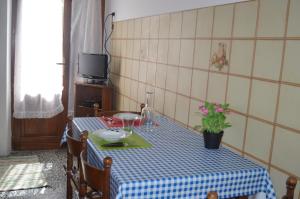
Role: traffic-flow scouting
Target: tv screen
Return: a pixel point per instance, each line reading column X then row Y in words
column 93, row 66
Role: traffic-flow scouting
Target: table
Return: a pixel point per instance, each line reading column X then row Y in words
column 176, row 166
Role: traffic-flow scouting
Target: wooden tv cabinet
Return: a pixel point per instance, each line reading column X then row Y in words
column 86, row 95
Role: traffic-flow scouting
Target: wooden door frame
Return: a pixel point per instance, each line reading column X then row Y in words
column 18, row 141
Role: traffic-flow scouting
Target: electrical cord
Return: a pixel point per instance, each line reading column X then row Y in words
column 106, row 38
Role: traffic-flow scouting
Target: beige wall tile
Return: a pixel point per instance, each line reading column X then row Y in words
column 145, row 27
column 291, row 69
column 162, row 54
column 199, row 83
column 258, row 141
column 268, row 56
column 151, row 73
column 136, row 49
column 223, row 21
column 127, row 86
column 126, row 104
column 128, row 68
column 161, row 75
column 117, row 65
column 122, row 85
column 131, row 28
column 278, row 179
column 287, row 142
column 153, row 46
column 215, row 49
column 119, row 102
column 187, row 52
column 235, row 134
column 172, row 75
column 135, row 70
column 195, row 117
column 123, row 66
column 124, row 29
column 202, row 54
column 118, row 47
column 294, row 16
column 134, row 90
column 117, row 30
column 263, row 100
column 137, row 28
column 169, row 104
column 123, row 48
column 182, row 109
column 144, row 50
column 216, row 88
column 175, row 25
column 269, row 23
column 189, row 24
column 289, row 106
column 174, row 52
column 241, row 57
column 143, row 71
column 184, row 81
column 238, row 93
column 159, row 100
column 245, row 19
column 154, row 26
column 204, row 22
column 132, row 106
column 141, row 93
column 164, row 25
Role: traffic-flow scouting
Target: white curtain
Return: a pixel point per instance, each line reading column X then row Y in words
column 86, row 36
column 38, row 79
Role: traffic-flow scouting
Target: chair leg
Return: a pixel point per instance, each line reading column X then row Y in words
column 69, row 187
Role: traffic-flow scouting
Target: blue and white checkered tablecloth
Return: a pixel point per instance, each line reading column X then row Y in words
column 176, row 166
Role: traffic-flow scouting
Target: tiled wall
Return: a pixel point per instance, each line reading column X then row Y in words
column 171, row 54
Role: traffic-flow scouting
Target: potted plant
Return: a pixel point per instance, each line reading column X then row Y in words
column 213, row 123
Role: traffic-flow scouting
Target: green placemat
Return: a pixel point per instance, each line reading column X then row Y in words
column 133, row 141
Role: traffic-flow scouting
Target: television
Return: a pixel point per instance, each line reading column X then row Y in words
column 93, row 66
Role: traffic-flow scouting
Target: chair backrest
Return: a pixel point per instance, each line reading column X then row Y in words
column 98, row 112
column 291, row 183
column 75, row 146
column 97, row 179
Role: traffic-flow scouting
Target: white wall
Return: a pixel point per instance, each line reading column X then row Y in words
column 5, row 99
column 128, row 9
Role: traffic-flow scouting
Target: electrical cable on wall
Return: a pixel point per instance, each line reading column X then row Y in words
column 107, row 37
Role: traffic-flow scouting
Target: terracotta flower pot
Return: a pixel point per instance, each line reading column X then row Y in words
column 212, row 140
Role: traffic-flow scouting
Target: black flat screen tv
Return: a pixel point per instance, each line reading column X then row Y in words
column 93, row 66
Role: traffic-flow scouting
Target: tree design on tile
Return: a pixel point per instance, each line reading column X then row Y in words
column 218, row 59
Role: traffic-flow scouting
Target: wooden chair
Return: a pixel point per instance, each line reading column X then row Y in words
column 291, row 183
column 98, row 112
column 74, row 173
column 97, row 180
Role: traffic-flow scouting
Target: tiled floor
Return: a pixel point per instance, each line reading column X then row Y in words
column 54, row 173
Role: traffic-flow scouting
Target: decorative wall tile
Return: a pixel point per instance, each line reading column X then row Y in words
column 161, row 75
column 186, row 52
column 294, row 16
column 184, row 81
column 268, row 57
column 175, row 25
column 164, row 25
column 291, row 69
column 217, row 46
column 202, row 54
column 238, row 93
column 289, row 106
column 241, row 57
column 172, row 75
column 189, row 24
column 286, row 142
column 263, row 99
column 269, row 23
column 204, row 22
column 182, row 109
column 259, row 136
column 174, row 52
column 169, row 104
column 245, row 19
column 162, row 52
column 216, row 88
column 199, row 83
column 235, row 134
column 223, row 21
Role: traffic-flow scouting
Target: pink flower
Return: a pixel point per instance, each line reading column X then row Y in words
column 219, row 110
column 204, row 111
column 201, row 105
